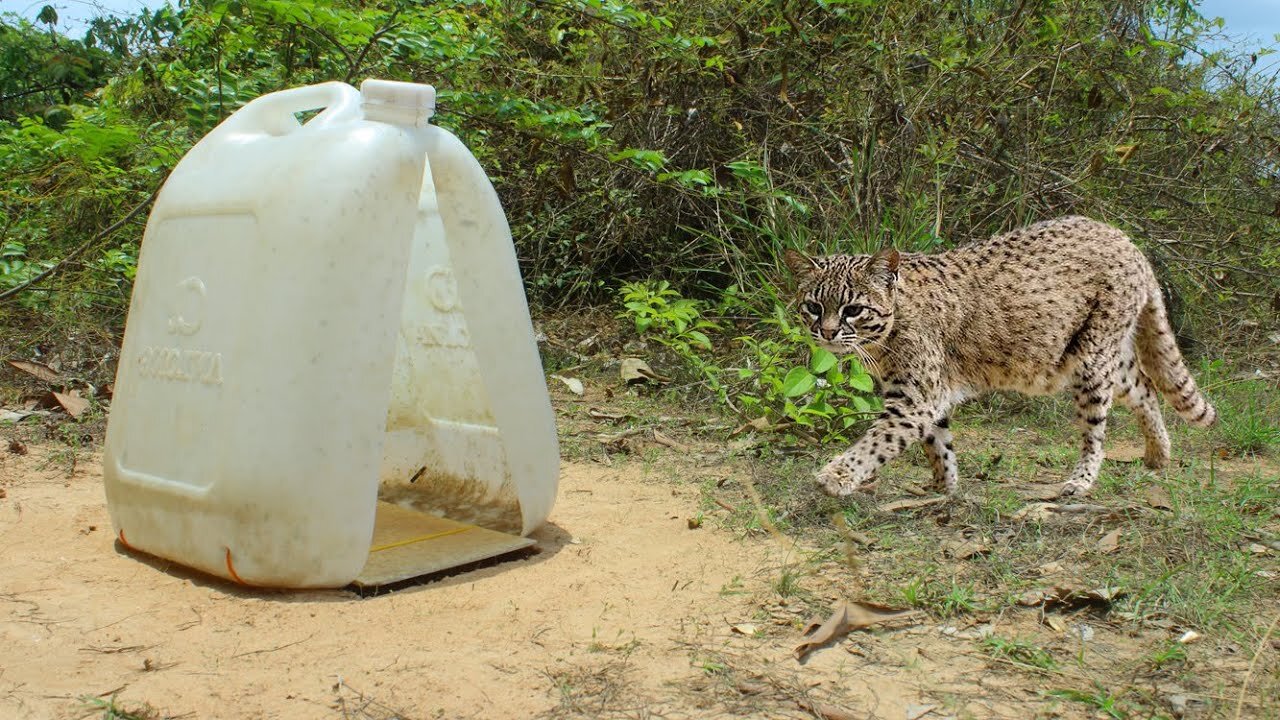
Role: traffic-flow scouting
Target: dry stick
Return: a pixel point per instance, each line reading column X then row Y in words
column 84, row 245
column 1244, row 686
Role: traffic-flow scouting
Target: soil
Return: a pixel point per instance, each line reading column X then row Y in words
column 628, row 610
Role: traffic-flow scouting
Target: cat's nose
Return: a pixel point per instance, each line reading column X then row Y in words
column 826, row 334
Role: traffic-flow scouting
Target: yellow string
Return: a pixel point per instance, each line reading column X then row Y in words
column 420, row 538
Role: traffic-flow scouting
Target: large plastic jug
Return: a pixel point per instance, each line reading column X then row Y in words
column 323, row 313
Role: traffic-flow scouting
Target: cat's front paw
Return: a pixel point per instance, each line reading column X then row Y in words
column 838, row 479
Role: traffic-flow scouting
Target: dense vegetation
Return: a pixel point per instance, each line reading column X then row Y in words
column 688, row 141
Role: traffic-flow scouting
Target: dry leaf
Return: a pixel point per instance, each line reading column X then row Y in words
column 1070, row 596
column 1124, row 151
column 17, row 447
column 1040, row 491
column 1035, row 511
column 965, row 549
column 71, row 402
column 1188, row 637
column 1055, row 622
column 1049, row 568
column 635, row 370
column 574, row 384
column 1158, row 497
column 1109, row 542
column 603, row 415
column 915, row 712
column 846, row 617
column 912, row 503
column 39, row 370
column 661, row 439
column 744, row 629
column 760, row 424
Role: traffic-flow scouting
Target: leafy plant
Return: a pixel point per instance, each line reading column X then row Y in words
column 1019, row 651
column 659, row 311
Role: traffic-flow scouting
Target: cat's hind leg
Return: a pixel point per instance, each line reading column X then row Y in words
column 942, row 458
column 1136, row 391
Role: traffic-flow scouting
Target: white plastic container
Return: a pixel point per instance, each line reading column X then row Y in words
column 322, row 310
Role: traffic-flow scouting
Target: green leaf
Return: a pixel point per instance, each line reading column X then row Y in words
column 700, row 339
column 821, row 361
column 798, row 382
column 861, row 381
column 861, row 404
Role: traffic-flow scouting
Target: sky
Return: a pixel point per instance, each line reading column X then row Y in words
column 1256, row 21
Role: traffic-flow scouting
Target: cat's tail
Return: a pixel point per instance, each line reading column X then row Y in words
column 1162, row 362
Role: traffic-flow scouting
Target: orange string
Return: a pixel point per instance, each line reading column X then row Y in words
column 231, row 569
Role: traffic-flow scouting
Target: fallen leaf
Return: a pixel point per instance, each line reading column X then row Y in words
column 1040, row 491
column 965, row 549
column 635, row 370
column 912, row 503
column 915, row 712
column 760, row 424
column 1189, row 637
column 1109, row 542
column 1077, row 508
column 574, row 384
column 1035, row 511
column 17, row 447
column 694, row 523
column 72, row 403
column 39, row 370
column 1055, row 622
column 603, row 415
column 1070, row 596
column 12, row 416
column 744, row 629
column 845, row 618
column 1258, row 549
column 1158, row 497
column 1049, row 568
column 661, row 439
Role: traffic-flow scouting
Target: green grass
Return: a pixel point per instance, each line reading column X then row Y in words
column 1022, row 652
column 1102, row 701
column 109, row 709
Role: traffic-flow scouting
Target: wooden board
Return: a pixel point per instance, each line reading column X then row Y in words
column 407, row 544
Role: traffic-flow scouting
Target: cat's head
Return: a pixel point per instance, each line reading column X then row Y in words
column 847, row 301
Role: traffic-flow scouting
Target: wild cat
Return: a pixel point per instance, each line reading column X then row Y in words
column 1063, row 304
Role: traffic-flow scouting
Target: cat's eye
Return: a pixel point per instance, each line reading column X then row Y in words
column 849, row 312
column 812, row 308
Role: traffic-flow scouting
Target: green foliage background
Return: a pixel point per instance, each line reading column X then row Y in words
column 679, row 140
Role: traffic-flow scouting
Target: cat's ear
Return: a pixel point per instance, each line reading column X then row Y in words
column 802, row 267
column 886, row 263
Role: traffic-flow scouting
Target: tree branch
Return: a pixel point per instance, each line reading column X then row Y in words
column 84, row 245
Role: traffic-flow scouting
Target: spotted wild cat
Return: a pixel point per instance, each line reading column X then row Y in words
column 1063, row 304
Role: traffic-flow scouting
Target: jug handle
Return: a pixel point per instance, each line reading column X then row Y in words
column 274, row 113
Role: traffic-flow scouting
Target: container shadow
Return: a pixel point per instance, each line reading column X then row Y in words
column 551, row 539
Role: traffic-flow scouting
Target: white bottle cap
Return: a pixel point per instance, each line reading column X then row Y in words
column 398, row 103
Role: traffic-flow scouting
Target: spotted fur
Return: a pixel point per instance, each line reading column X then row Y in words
column 1063, row 304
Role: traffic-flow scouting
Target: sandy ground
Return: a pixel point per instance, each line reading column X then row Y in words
column 625, row 613
column 613, row 611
